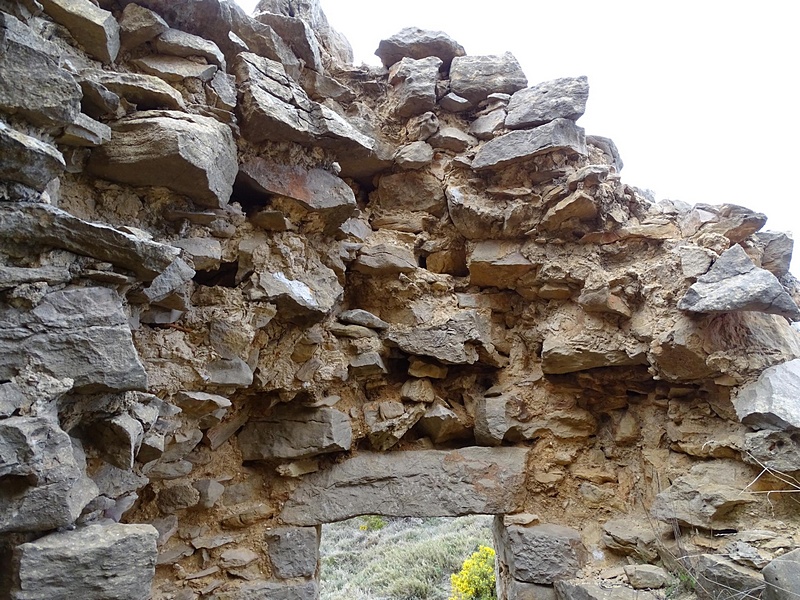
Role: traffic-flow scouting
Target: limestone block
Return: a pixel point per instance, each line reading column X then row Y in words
column 418, row 390
column 453, row 139
column 235, row 558
column 737, row 223
column 782, row 577
column 85, row 563
column 626, row 538
column 177, row 497
column 413, row 483
column 293, row 551
column 413, row 191
column 43, row 483
column 138, row 25
column 367, row 364
column 771, row 400
column 563, row 98
column 454, row 103
column 443, row 425
column 422, row 368
column 194, row 155
column 384, row 259
column 34, row 86
column 305, row 300
column 315, row 190
column 173, row 68
column 734, row 283
column 580, row 590
column 414, row 155
column 358, row 316
column 388, row 422
column 777, row 450
column 416, row 43
column 557, row 135
column 229, row 371
column 272, row 590
column 298, row 34
column 221, row 91
column 498, row 263
column 575, row 350
column 776, row 251
column 643, row 577
column 45, row 225
column 169, row 281
column 206, row 253
column 540, row 554
column 487, row 126
column 293, row 432
column 475, row 77
column 719, row 578
column 92, row 27
column 86, row 132
column 28, row 160
column 517, row 590
column 118, row 439
column 80, row 333
column 578, row 206
column 414, row 85
column 210, row 491
column 179, row 43
column 200, row 404
column 145, row 91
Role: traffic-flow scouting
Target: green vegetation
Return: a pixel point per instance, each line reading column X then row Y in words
column 475, row 580
column 406, row 559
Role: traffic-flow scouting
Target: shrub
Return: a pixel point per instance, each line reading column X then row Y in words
column 372, row 523
column 475, row 581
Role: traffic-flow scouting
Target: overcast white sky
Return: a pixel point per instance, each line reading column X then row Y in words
column 701, row 96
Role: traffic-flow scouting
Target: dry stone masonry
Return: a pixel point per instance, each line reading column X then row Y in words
column 248, row 288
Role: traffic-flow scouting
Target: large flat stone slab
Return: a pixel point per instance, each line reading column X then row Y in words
column 558, row 135
column 147, row 92
column 80, row 333
column 475, row 77
column 416, row 43
column 563, row 98
column 98, row 562
column 189, row 154
column 424, row 483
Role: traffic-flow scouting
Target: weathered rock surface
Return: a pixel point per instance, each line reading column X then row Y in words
column 92, row 27
column 735, row 283
column 456, row 341
column 85, row 563
column 293, row 551
column 138, row 25
column 557, row 99
column 478, row 481
column 782, row 577
column 416, row 43
column 475, row 77
column 770, row 401
column 718, row 577
column 414, row 85
column 189, row 154
column 145, row 91
column 27, row 160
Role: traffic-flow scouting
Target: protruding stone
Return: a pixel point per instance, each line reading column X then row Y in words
column 206, row 253
column 418, row 390
column 85, row 563
column 771, row 400
column 293, row 433
column 293, row 551
column 442, row 424
column 28, row 160
column 776, row 450
column 454, row 103
column 364, row 318
column 646, row 577
column 414, row 85
column 416, row 43
column 298, row 34
column 92, row 27
column 86, row 132
column 387, row 422
column 453, row 139
column 180, row 43
column 177, row 497
column 734, row 283
column 782, row 577
column 384, row 259
column 412, row 191
column 454, row 342
column 145, row 91
column 475, row 77
column 722, row 579
column 367, row 364
column 173, row 68
column 563, row 98
column 138, row 25
column 487, row 126
column 196, row 155
column 482, row 481
column 558, row 135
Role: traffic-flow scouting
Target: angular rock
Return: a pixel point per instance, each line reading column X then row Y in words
column 782, row 577
column 442, row 424
column 418, row 390
column 776, row 253
column 229, row 371
column 737, row 223
column 35, row 87
column 540, row 554
column 189, row 154
column 776, row 450
column 86, row 132
column 577, row 206
column 627, row 538
column 118, row 439
column 298, row 34
column 92, row 27
column 177, row 497
column 643, row 577
column 173, row 68
column 272, row 590
column 364, row 318
column 45, row 225
column 235, row 558
column 420, row 483
column 414, row 155
column 42, row 483
column 558, row 135
column 27, row 160
column 487, row 126
column 412, row 191
column 416, row 43
column 563, row 98
column 138, row 25
column 475, row 77
column 770, row 402
column 291, row 433
column 384, row 259
column 167, row 282
column 315, row 190
column 80, row 333
column 85, row 563
column 454, row 103
column 296, row 299
column 609, row 150
column 414, row 85
column 180, row 43
column 147, row 92
column 293, row 551
column 734, row 283
column 721, row 579
column 206, row 253
column 388, row 422
column 580, row 590
column 457, row 341
column 367, row 364
column 453, row 139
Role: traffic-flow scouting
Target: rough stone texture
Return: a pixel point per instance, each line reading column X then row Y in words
column 558, row 135
column 577, row 590
column 145, row 91
column 292, row 433
column 85, row 563
column 138, row 25
column 563, row 98
column 777, row 450
column 475, row 77
column 298, row 34
column 92, row 27
column 424, row 483
column 540, row 554
column 414, row 85
column 293, row 551
column 43, row 484
column 174, row 69
column 782, row 577
column 190, row 154
column 735, row 283
column 771, row 401
column 80, row 333
column 180, row 43
column 269, row 590
column 643, row 577
column 721, row 579
column 416, row 43
column 27, row 160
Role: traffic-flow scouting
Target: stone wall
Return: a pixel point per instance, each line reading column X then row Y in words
column 248, row 288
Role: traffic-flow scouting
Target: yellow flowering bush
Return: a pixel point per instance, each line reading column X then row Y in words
column 475, row 581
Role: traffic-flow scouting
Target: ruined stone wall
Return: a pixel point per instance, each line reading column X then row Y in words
column 247, row 288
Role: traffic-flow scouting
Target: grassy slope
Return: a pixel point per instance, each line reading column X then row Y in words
column 408, row 559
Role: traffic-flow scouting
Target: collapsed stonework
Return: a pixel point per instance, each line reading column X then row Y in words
column 248, row 288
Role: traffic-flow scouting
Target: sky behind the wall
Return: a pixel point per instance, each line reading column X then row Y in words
column 702, row 97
